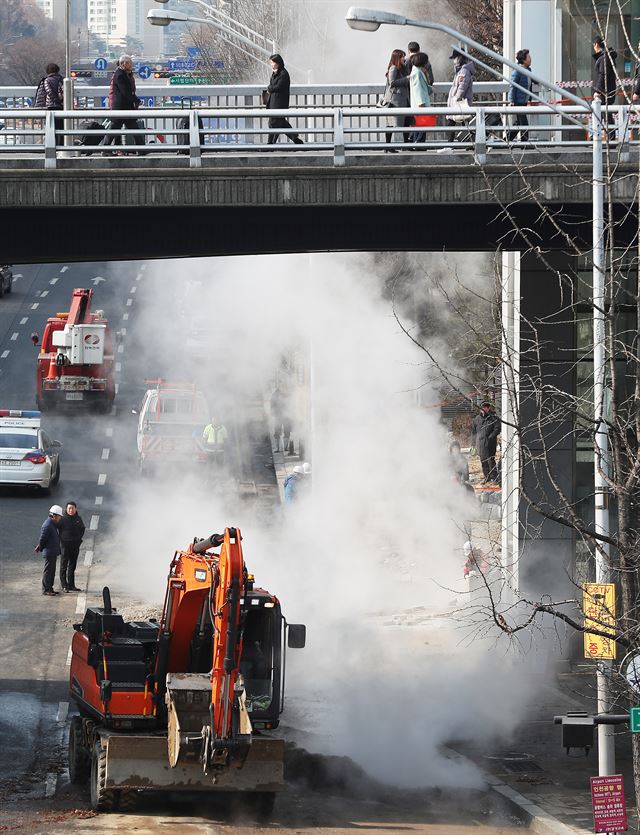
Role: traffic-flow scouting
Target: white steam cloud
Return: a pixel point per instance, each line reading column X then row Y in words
column 380, row 534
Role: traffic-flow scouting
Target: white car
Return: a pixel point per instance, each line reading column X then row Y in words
column 28, row 456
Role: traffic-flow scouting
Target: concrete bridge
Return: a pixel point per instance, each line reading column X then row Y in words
column 235, row 194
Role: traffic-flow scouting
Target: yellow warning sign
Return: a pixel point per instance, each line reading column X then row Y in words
column 599, row 605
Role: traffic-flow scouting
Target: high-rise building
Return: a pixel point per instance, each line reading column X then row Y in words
column 122, row 23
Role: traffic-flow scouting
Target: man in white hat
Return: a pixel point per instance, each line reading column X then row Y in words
column 49, row 547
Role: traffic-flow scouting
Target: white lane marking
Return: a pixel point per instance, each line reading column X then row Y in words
column 44, row 293
column 116, row 387
column 88, row 558
column 143, row 267
column 139, row 276
column 123, row 331
column 24, row 320
column 98, row 500
column 129, row 302
column 105, row 454
column 50, row 784
column 54, row 281
column 93, row 524
column 14, row 336
column 17, row 275
column 64, row 269
column 4, row 354
column 120, row 348
column 35, row 306
column 102, row 479
column 133, row 290
column 125, row 316
column 63, row 709
column 109, row 431
column 98, row 279
column 81, row 604
column 69, row 656
column 114, row 409
column 118, row 367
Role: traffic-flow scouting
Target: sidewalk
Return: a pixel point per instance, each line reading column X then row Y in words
column 533, row 771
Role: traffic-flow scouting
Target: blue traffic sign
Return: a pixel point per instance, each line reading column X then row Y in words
column 193, row 52
column 144, row 71
column 101, row 63
column 182, row 65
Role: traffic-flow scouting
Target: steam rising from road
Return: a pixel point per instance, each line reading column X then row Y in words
column 371, row 559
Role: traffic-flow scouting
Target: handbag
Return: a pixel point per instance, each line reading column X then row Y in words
column 264, row 95
column 459, row 118
column 385, row 100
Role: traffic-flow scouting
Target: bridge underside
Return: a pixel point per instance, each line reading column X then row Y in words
column 48, row 234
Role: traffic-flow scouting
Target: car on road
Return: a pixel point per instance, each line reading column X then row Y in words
column 6, row 279
column 28, row 455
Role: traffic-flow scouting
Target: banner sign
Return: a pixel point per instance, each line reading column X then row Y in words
column 599, row 606
column 609, row 807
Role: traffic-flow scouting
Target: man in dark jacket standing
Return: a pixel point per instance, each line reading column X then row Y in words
column 49, row 96
column 122, row 96
column 278, row 89
column 71, row 533
column 605, row 76
column 485, row 431
column 49, row 547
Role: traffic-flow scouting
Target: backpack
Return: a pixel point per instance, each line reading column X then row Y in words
column 40, row 99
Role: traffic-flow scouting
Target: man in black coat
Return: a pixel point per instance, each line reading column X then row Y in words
column 605, row 76
column 122, row 96
column 485, row 431
column 278, row 89
column 49, row 547
column 71, row 534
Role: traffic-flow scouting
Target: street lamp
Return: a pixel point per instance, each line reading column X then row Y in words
column 369, row 20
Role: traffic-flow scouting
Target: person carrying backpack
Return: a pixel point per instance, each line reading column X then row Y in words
column 49, row 96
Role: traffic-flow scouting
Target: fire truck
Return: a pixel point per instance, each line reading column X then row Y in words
column 76, row 363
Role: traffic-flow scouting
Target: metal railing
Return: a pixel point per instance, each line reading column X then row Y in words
column 338, row 132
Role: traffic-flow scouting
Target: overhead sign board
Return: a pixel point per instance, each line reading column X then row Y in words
column 193, row 52
column 599, row 606
column 187, row 79
column 608, row 803
column 183, row 64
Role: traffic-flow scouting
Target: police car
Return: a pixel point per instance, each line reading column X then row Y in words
column 28, row 456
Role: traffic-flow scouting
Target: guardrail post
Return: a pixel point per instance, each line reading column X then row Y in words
column 481, row 137
column 338, row 137
column 195, row 152
column 49, row 139
column 248, row 121
column 624, row 131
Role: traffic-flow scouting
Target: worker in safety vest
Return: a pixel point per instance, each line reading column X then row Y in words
column 214, row 436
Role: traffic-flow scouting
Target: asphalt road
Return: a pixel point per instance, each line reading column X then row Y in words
column 97, row 462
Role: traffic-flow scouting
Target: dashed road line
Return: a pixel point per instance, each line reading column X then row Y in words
column 98, row 500
column 125, row 316
column 16, row 276
column 69, row 656
column 81, row 604
column 93, row 524
column 143, row 267
column 118, row 367
column 4, row 354
column 102, row 479
column 105, row 454
column 88, row 558
column 109, row 431
column 35, row 306
column 64, row 269
column 123, row 331
column 63, row 710
column 117, row 388
column 44, row 294
column 54, row 281
column 120, row 348
column 24, row 320
column 14, row 336
column 129, row 302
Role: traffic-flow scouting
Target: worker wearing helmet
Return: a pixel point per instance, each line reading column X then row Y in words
column 292, row 484
column 214, row 436
column 477, row 562
column 49, row 547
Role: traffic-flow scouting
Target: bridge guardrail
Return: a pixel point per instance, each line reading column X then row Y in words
column 339, row 132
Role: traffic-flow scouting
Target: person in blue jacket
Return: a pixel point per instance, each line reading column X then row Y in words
column 518, row 97
column 292, row 483
column 49, row 547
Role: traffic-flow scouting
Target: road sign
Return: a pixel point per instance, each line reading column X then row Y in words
column 634, row 714
column 100, row 73
column 193, row 52
column 101, row 64
column 188, row 79
column 144, row 71
column 599, row 607
column 608, row 803
column 182, row 65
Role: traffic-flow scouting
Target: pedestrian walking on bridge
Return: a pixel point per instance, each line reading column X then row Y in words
column 279, row 94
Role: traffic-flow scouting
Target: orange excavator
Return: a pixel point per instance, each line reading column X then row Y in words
column 187, row 703
column 76, row 362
